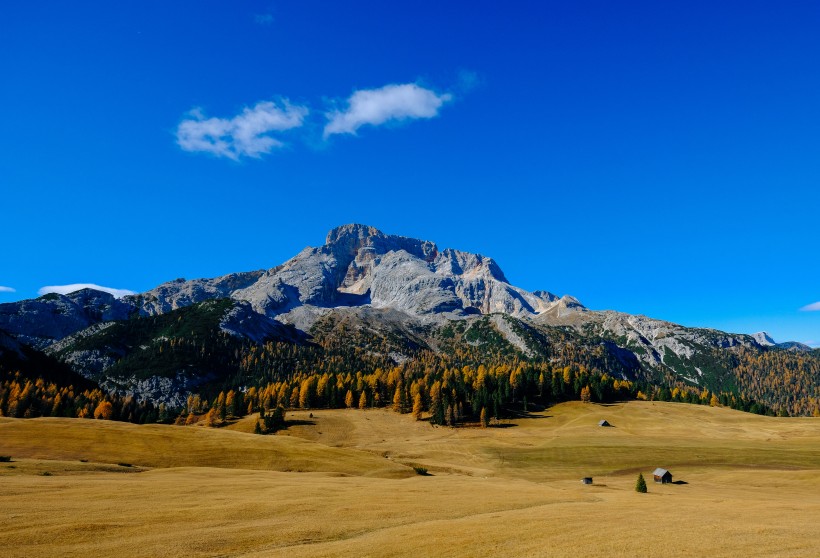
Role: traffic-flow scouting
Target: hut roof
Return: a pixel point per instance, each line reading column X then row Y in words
column 660, row 472
column 603, row 423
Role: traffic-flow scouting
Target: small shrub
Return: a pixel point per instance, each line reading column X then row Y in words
column 45, row 474
column 124, row 464
column 420, row 470
column 83, row 460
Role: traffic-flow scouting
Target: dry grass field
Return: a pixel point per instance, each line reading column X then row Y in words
column 340, row 483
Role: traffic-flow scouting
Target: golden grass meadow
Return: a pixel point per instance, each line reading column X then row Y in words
column 342, row 483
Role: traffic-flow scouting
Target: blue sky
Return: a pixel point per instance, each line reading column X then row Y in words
column 660, row 158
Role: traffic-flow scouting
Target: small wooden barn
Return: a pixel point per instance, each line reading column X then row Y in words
column 604, row 423
column 662, row 476
column 586, row 480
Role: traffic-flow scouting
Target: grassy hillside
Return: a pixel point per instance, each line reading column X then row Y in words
column 565, row 442
column 751, row 486
column 160, row 445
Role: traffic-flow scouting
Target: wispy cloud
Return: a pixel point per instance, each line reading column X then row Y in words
column 7, row 289
column 246, row 134
column 65, row 289
column 263, row 19
column 814, row 307
column 378, row 106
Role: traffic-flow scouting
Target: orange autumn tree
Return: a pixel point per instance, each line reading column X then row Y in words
column 105, row 410
column 418, row 406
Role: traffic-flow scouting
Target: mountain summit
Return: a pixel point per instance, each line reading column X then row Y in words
column 764, row 339
column 360, row 265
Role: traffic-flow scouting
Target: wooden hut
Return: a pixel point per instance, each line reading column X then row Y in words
column 604, row 423
column 586, row 480
column 662, row 476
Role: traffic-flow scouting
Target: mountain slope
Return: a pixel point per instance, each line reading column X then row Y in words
column 167, row 356
column 370, row 300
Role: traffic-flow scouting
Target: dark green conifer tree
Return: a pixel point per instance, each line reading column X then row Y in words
column 640, row 486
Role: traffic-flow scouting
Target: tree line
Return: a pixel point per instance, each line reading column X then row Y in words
column 26, row 398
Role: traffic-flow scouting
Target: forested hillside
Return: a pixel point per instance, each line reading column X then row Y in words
column 464, row 371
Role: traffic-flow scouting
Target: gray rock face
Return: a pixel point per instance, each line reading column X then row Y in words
column 178, row 293
column 243, row 321
column 90, row 363
column 58, row 346
column 171, row 391
column 41, row 321
column 763, row 339
column 652, row 340
column 360, row 266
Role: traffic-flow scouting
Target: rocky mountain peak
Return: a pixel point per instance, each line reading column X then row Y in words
column 352, row 234
column 764, row 339
column 362, row 242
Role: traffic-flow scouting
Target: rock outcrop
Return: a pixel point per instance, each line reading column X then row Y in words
column 764, row 339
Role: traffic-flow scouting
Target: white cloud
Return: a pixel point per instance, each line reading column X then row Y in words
column 377, row 106
column 65, row 289
column 7, row 289
column 815, row 307
column 246, row 134
column 263, row 19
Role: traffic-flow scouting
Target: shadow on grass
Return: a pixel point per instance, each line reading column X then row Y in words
column 679, row 482
column 289, row 423
column 527, row 415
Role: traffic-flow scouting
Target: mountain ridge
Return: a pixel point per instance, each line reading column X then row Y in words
column 395, row 288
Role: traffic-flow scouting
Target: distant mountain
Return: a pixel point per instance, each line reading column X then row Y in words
column 394, row 294
column 763, row 339
column 42, row 321
column 795, row 346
